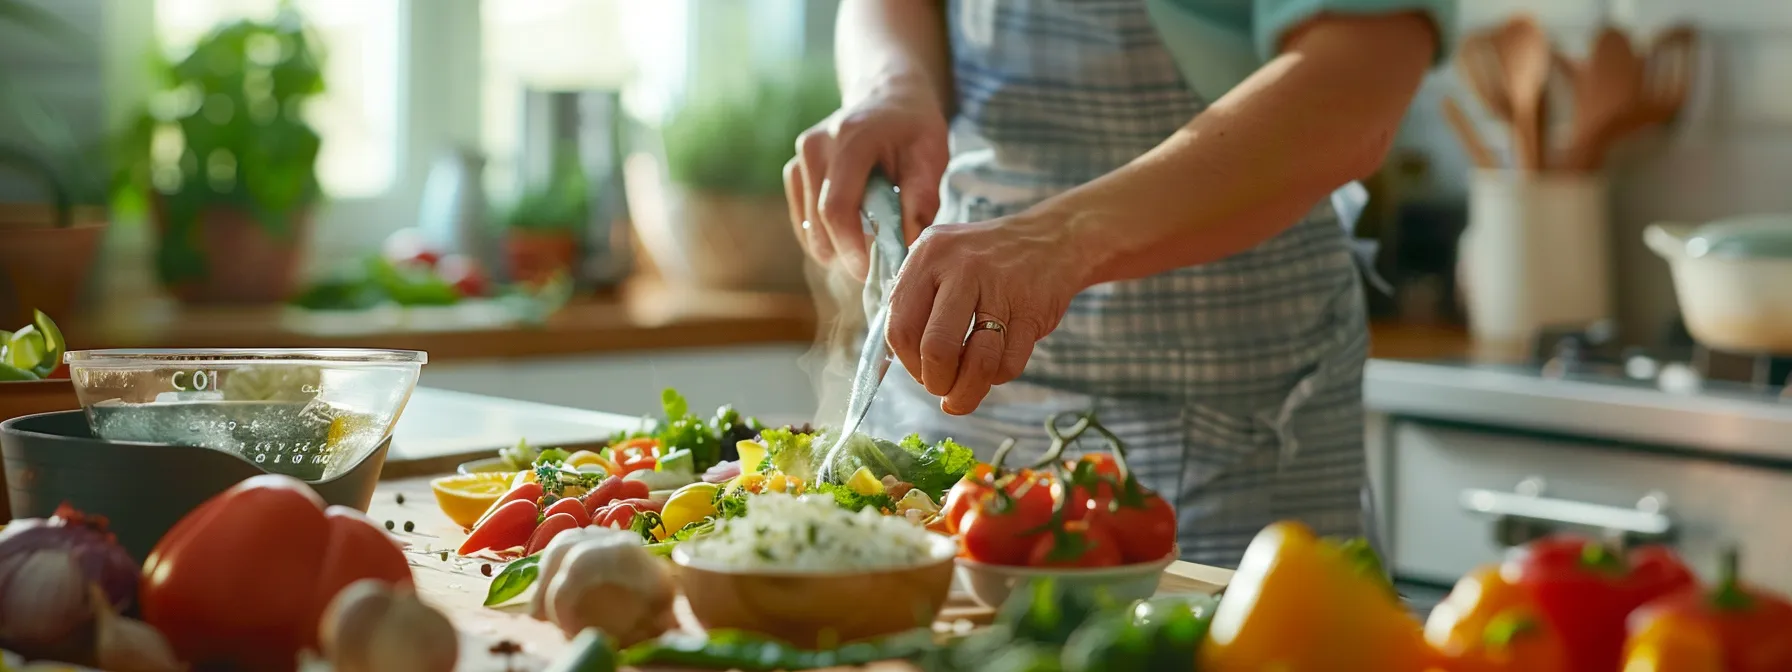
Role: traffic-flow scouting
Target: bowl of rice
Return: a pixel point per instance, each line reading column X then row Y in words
column 804, row 570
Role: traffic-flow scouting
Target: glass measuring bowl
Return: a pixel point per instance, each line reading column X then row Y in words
column 309, row 414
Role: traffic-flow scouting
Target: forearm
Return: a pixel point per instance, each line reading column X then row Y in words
column 887, row 44
column 1322, row 113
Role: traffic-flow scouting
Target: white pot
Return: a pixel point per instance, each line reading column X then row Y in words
column 1535, row 254
column 1733, row 279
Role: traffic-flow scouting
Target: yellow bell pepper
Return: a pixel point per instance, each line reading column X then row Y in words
column 1488, row 624
column 1302, row 604
column 1672, row 642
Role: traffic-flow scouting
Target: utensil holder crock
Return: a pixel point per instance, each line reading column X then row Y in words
column 1536, row 253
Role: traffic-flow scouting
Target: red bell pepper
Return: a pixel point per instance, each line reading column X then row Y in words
column 1752, row 626
column 1587, row 591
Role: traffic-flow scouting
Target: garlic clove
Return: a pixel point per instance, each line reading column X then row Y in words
column 126, row 644
column 374, row 627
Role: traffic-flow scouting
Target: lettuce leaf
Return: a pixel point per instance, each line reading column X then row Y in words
column 938, row 467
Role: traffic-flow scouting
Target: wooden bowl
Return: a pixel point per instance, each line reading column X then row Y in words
column 31, row 397
column 990, row 584
column 818, row 610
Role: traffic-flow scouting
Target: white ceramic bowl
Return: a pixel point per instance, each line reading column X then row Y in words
column 991, row 584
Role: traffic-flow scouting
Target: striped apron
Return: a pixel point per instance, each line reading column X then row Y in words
column 1237, row 385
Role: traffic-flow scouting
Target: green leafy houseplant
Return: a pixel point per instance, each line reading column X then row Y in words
column 225, row 131
column 541, row 229
column 738, row 145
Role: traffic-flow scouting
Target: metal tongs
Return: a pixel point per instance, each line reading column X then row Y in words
column 881, row 215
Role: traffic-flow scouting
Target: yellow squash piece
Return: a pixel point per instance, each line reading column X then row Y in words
column 687, row 505
column 588, row 458
column 1302, row 604
column 864, row 483
column 1669, row 643
column 465, row 497
column 752, row 456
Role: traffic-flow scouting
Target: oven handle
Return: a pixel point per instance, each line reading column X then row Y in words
column 1632, row 523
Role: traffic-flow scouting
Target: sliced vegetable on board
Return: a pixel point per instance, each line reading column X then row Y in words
column 243, row 579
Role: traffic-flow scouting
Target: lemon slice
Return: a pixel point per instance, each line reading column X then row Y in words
column 465, row 497
column 688, row 505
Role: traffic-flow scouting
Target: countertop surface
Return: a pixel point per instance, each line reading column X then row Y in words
column 440, row 429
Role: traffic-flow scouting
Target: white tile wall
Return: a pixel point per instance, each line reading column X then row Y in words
column 1730, row 153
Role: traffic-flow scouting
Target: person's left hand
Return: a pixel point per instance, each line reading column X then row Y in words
column 1019, row 272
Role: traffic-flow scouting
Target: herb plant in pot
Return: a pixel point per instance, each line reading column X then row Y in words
column 541, row 229
column 226, row 163
column 727, row 225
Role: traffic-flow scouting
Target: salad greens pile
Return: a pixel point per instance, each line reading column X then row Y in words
column 709, row 441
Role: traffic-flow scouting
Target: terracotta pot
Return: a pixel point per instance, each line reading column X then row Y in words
column 19, row 399
column 245, row 263
column 45, row 267
column 533, row 257
column 731, row 242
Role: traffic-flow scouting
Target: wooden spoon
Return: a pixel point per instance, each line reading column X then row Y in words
column 1478, row 62
column 1666, row 76
column 1466, row 133
column 1524, row 51
column 1607, row 88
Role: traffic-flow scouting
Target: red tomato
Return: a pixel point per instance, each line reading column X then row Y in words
column 963, row 495
column 242, row 580
column 464, row 275
column 1146, row 533
column 998, row 530
column 1103, row 464
column 1086, row 543
column 530, row 492
column 1079, row 504
column 409, row 246
column 509, row 527
column 553, row 525
column 632, row 490
column 600, row 496
column 570, row 506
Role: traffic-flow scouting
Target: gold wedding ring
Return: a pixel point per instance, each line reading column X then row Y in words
column 987, row 323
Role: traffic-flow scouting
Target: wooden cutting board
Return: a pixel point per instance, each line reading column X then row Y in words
column 457, row 587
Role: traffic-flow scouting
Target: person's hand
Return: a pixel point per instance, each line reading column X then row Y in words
column 1009, row 280
column 901, row 130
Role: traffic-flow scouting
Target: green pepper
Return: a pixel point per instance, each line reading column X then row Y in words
column 589, row 652
column 747, row 652
column 1156, row 634
column 10, row 373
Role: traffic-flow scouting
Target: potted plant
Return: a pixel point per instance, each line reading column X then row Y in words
column 726, row 222
column 30, row 364
column 225, row 163
column 541, row 228
column 47, row 249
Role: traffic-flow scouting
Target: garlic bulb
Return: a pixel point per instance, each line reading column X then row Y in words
column 602, row 578
column 373, row 627
column 126, row 644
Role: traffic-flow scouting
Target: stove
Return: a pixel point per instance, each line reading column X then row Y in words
column 1672, row 444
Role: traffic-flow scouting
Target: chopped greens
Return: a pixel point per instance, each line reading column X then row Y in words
column 937, row 467
column 789, row 452
column 709, row 442
column 854, row 501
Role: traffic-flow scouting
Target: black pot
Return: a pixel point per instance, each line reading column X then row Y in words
column 142, row 488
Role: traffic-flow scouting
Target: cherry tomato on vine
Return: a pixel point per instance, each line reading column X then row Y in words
column 1147, row 532
column 1000, row 529
column 979, row 481
column 1086, row 543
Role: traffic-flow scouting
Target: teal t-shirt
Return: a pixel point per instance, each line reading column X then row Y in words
column 1217, row 43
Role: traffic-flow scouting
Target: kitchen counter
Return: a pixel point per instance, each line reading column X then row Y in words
column 440, row 429
column 457, row 585
column 641, row 316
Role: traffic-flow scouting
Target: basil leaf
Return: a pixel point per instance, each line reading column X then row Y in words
column 513, row 581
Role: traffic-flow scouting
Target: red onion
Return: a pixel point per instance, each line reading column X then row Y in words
column 46, row 565
column 723, row 472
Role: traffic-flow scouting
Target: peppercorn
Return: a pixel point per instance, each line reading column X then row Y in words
column 410, row 526
column 485, row 569
column 389, row 526
column 401, row 498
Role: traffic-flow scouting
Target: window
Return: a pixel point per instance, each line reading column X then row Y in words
column 358, row 115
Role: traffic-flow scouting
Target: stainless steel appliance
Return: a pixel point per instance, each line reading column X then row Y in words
column 1469, row 459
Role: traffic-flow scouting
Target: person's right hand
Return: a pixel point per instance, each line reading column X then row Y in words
column 902, row 131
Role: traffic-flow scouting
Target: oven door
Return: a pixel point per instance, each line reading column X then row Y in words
column 1456, row 497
